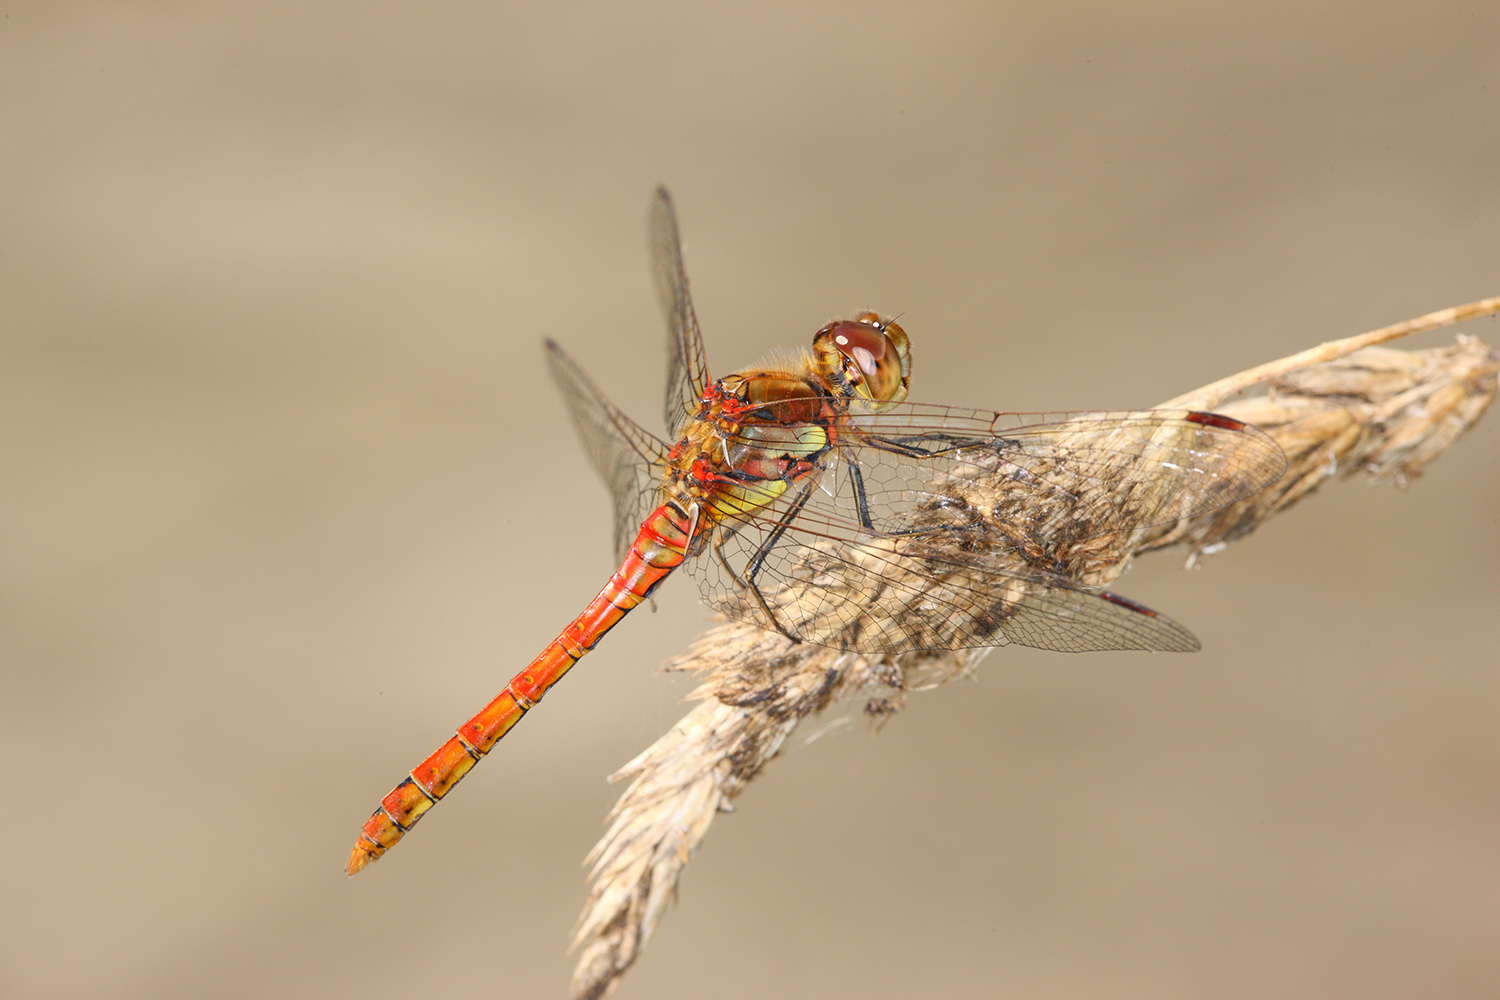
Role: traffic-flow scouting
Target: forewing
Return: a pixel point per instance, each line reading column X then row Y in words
column 1056, row 480
column 943, row 528
column 627, row 456
column 687, row 364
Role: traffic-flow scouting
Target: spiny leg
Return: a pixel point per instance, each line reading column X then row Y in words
column 861, row 501
column 757, row 561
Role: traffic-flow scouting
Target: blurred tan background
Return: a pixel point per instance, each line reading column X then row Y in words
column 287, row 494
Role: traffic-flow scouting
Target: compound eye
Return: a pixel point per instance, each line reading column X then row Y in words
column 861, row 343
column 873, row 356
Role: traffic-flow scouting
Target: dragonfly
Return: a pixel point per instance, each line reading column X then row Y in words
column 808, row 496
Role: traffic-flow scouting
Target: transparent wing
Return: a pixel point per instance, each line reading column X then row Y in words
column 938, row 528
column 627, row 456
column 687, row 364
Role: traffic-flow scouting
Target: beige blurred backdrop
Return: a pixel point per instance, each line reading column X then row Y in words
column 287, row 494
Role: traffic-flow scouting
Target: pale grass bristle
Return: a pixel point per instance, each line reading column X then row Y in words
column 1341, row 409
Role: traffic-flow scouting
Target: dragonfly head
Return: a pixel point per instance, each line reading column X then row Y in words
column 865, row 357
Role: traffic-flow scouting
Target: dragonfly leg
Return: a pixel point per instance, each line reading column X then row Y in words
column 861, row 502
column 866, row 521
column 758, row 561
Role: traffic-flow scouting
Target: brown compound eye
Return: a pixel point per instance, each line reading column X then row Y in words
column 872, row 357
